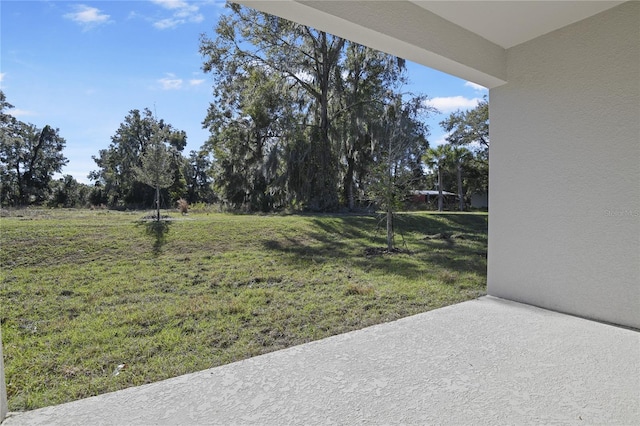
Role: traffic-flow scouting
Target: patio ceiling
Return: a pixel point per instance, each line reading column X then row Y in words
column 467, row 39
column 509, row 23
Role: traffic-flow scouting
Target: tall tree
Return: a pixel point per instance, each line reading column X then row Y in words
column 7, row 129
column 29, row 157
column 460, row 156
column 5, row 118
column 300, row 58
column 118, row 163
column 369, row 80
column 293, row 110
column 198, row 181
column 248, row 127
column 469, row 128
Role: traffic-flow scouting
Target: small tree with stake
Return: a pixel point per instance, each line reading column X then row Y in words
column 155, row 169
column 401, row 140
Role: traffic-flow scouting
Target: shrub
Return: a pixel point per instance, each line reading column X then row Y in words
column 183, row 206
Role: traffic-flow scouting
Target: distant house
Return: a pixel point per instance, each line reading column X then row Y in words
column 430, row 198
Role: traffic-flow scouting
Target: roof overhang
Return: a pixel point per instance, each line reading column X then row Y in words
column 468, row 39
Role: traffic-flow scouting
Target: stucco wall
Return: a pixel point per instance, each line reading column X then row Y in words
column 564, row 230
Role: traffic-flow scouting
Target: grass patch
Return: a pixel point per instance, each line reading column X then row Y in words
column 85, row 292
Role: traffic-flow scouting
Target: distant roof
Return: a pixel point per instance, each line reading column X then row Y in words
column 430, row 192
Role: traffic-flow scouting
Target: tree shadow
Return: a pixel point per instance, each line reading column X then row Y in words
column 438, row 242
column 435, row 223
column 158, row 230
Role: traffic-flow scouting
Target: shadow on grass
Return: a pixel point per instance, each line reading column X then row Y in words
column 158, row 230
column 461, row 247
column 442, row 223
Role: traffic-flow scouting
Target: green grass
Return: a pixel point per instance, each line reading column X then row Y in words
column 83, row 292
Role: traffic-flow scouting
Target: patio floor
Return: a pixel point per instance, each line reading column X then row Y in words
column 486, row 361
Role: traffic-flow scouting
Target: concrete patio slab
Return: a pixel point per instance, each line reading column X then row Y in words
column 486, row 361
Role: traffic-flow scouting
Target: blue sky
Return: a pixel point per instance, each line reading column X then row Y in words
column 81, row 66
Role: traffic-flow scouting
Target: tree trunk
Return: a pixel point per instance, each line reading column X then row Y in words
column 460, row 194
column 440, row 196
column 389, row 229
column 348, row 184
column 158, row 203
column 352, row 204
column 21, row 189
column 325, row 148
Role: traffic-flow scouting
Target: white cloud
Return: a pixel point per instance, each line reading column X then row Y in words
column 173, row 82
column 87, row 17
column 170, row 82
column 453, row 103
column 171, row 4
column 476, row 87
column 440, row 140
column 196, row 18
column 163, row 24
column 183, row 13
column 2, row 74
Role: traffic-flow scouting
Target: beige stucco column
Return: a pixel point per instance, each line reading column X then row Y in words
column 4, row 407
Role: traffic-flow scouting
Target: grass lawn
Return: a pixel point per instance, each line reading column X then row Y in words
column 83, row 292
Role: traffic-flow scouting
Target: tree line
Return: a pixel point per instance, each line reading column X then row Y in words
column 300, row 119
column 29, row 157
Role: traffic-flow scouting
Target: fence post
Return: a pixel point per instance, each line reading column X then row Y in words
column 4, row 406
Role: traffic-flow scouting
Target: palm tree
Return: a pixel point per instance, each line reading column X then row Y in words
column 458, row 156
column 437, row 158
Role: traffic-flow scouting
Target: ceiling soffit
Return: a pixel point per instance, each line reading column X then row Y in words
column 509, row 23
